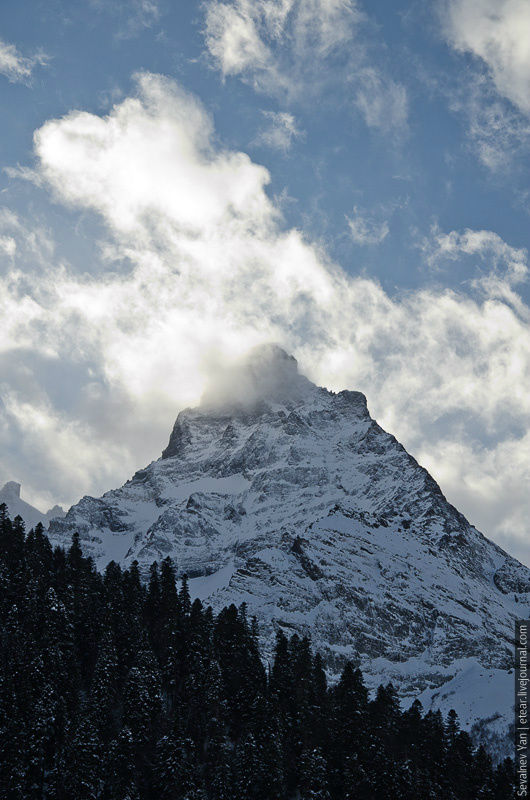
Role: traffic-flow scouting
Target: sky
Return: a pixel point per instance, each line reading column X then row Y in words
column 182, row 181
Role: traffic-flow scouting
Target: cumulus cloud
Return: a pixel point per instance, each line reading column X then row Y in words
column 495, row 31
column 280, row 131
column 293, row 49
column 17, row 67
column 365, row 229
column 199, row 268
column 137, row 188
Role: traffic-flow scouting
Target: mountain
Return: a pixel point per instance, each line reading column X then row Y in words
column 10, row 495
column 292, row 499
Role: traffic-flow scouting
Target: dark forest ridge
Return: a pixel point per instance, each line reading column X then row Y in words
column 116, row 690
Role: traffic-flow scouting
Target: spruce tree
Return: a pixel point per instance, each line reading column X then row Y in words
column 103, row 697
column 83, row 778
column 313, row 776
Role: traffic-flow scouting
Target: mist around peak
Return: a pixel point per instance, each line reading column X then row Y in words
column 267, row 373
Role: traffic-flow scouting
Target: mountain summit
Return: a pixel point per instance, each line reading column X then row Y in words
column 268, row 373
column 10, row 495
column 292, row 499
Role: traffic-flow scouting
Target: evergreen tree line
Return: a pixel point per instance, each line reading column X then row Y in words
column 111, row 689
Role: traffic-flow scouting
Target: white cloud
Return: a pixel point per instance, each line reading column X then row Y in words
column 499, row 267
column 15, row 66
column 274, row 43
column 366, row 229
column 234, row 41
column 199, row 269
column 494, row 95
column 8, row 245
column 280, row 131
column 131, row 184
column 498, row 131
column 382, row 102
column 497, row 32
column 489, row 246
column 293, row 49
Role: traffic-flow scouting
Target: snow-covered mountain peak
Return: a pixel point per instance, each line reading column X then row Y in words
column 292, row 499
column 10, row 490
column 266, row 374
column 266, row 399
column 55, row 511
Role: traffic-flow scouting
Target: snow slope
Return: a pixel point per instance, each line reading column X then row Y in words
column 290, row 498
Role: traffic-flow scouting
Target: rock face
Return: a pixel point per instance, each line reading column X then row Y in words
column 10, row 495
column 295, row 501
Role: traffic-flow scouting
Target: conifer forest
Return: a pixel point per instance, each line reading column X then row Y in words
column 114, row 688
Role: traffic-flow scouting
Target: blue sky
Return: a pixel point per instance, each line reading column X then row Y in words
column 182, row 180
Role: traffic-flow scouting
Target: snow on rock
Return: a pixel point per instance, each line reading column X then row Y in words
column 292, row 499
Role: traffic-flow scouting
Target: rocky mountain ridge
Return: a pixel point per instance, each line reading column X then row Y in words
column 292, row 499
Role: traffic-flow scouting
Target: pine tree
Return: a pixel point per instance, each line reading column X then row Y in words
column 75, row 559
column 120, row 766
column 245, row 769
column 85, row 601
column 481, row 784
column 169, row 599
column 152, row 609
column 104, row 688
column 432, row 749
column 142, row 698
column 313, row 780
column 220, row 780
column 184, row 598
column 409, row 733
column 452, row 727
column 242, row 672
column 83, row 777
column 349, row 730
column 460, row 764
column 503, row 781
column 281, row 676
column 177, row 775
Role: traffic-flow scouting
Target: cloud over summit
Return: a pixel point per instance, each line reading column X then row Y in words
column 200, row 266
